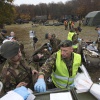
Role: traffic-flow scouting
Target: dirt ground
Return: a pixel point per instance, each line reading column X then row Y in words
column 22, row 32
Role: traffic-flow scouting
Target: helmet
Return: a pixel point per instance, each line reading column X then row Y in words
column 9, row 49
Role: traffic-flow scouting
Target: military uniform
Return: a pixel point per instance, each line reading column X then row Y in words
column 43, row 50
column 13, row 74
column 15, row 69
column 62, row 66
column 54, row 43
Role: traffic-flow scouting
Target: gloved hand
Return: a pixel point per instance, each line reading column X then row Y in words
column 72, row 85
column 40, row 85
column 22, row 91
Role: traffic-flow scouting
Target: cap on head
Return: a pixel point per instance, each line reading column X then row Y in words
column 9, row 49
column 46, row 36
column 66, row 43
column 4, row 31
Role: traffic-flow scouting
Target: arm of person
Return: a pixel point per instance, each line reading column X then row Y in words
column 4, row 77
column 45, row 70
column 31, row 65
column 37, row 57
column 47, row 67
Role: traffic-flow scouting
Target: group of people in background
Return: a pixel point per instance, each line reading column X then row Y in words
column 57, row 59
column 69, row 24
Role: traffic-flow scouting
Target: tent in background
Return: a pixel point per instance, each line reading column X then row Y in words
column 92, row 18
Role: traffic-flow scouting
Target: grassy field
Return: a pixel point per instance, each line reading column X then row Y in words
column 22, row 32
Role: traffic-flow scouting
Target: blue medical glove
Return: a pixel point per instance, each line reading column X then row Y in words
column 40, row 85
column 22, row 91
column 72, row 85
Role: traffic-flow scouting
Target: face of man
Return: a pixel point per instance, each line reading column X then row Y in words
column 66, row 52
column 12, row 34
column 49, row 36
column 17, row 57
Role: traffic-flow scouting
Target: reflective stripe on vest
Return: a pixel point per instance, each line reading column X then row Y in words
column 62, row 85
column 62, row 78
column 61, row 75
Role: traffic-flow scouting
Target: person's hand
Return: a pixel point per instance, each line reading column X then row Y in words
column 40, row 85
column 34, row 72
column 22, row 91
column 72, row 85
column 40, row 55
column 21, row 84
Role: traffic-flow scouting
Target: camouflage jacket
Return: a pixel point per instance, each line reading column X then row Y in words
column 46, row 54
column 50, row 65
column 43, row 50
column 54, row 43
column 12, row 74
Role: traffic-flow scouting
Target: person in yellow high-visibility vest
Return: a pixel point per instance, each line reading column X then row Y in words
column 72, row 36
column 62, row 66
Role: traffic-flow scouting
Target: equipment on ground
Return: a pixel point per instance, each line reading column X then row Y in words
column 91, row 56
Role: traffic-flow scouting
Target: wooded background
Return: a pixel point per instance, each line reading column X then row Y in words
column 9, row 12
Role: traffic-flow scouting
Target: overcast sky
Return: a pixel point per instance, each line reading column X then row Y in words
column 18, row 2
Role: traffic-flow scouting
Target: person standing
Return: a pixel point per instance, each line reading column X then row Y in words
column 66, row 24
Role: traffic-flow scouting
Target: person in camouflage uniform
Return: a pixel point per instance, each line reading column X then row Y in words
column 42, row 54
column 62, row 64
column 16, row 71
column 2, row 36
column 54, row 42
